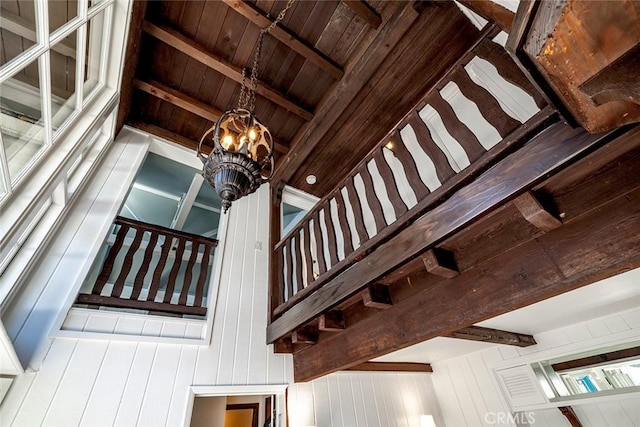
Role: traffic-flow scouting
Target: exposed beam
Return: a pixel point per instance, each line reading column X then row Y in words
column 535, row 213
column 189, row 47
column 554, row 263
column 179, row 99
column 21, row 27
column 391, row 367
column 365, row 12
column 168, row 135
column 362, row 66
column 491, row 11
column 138, row 10
column 495, row 336
column 286, row 37
column 547, row 153
column 596, row 359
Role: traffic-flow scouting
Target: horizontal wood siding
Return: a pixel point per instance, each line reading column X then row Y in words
column 364, row 399
column 467, row 389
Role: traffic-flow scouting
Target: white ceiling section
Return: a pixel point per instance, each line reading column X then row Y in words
column 603, row 298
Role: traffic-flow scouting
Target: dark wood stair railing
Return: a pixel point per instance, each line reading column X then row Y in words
column 166, row 239
column 351, row 221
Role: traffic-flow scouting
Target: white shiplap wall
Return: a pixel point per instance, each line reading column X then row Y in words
column 469, row 395
column 361, row 399
column 83, row 381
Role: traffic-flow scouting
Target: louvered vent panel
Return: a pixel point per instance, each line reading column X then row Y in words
column 520, row 387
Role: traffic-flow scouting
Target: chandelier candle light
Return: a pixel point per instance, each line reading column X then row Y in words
column 242, row 155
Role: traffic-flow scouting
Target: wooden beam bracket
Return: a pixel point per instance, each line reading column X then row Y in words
column 440, row 262
column 534, row 212
column 305, row 335
column 332, row 321
column 377, row 296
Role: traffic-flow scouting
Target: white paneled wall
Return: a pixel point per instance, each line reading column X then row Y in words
column 361, row 399
column 83, row 381
column 469, row 395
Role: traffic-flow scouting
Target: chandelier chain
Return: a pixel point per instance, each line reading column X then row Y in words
column 248, row 93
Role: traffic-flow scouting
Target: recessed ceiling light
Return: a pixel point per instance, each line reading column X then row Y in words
column 311, row 179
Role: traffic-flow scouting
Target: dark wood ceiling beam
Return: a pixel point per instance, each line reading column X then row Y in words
column 361, row 67
column 495, row 336
column 491, row 11
column 286, row 37
column 547, row 153
column 365, row 12
column 391, row 367
column 168, row 135
column 179, row 99
column 139, row 9
column 189, row 47
column 599, row 244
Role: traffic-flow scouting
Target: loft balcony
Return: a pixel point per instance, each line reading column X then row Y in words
column 479, row 148
column 152, row 269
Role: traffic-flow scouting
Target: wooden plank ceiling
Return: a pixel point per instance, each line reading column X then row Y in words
column 335, row 78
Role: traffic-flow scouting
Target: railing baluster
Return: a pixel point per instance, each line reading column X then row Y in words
column 444, row 171
column 458, row 130
column 138, row 282
column 157, row 274
column 487, row 104
column 372, row 198
column 496, row 55
column 188, row 274
column 409, row 165
column 399, row 207
column 307, row 251
column 204, row 269
column 317, row 232
column 171, row 283
column 107, row 267
column 298, row 256
column 289, row 263
column 331, row 234
column 344, row 225
column 126, row 264
column 356, row 207
column 116, row 299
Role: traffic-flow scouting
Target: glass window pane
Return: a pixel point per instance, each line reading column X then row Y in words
column 21, row 120
column 17, row 28
column 203, row 222
column 63, row 80
column 61, row 12
column 93, row 50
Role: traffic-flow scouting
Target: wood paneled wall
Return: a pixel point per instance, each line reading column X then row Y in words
column 100, row 382
column 467, row 392
column 364, row 399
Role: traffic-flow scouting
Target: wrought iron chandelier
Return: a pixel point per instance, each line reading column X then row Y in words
column 242, row 155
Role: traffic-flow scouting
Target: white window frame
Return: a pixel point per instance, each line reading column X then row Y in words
column 40, row 52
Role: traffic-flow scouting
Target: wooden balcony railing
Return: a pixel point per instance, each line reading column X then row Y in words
column 433, row 152
column 158, row 291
